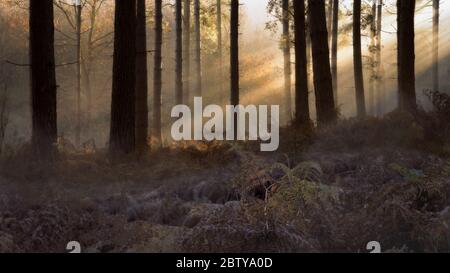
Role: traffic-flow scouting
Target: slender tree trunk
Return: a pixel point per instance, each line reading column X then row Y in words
column 436, row 45
column 141, row 78
column 198, row 58
column 234, row 57
column 323, row 86
column 87, row 61
column 302, row 117
column 219, row 42
column 334, row 49
column 309, row 54
column 187, row 49
column 157, row 73
column 330, row 20
column 179, row 53
column 379, row 74
column 43, row 79
column 123, row 116
column 78, row 73
column 406, row 54
column 287, row 59
column 357, row 60
column 372, row 64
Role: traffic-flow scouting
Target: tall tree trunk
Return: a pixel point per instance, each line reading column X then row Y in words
column 302, row 117
column 323, row 86
column 198, row 58
column 123, row 116
column 78, row 8
column 234, row 57
column 309, row 54
column 87, row 61
column 187, row 49
column 157, row 73
column 219, row 42
column 357, row 60
column 179, row 53
column 141, row 78
column 406, row 54
column 287, row 59
column 43, row 79
column 334, row 49
column 379, row 86
column 330, row 20
column 436, row 45
column 372, row 64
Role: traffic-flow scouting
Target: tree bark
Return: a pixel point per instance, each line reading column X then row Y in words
column 286, row 40
column 219, row 42
column 187, row 49
column 141, row 78
column 323, row 86
column 123, row 116
column 372, row 63
column 179, row 53
column 234, row 57
column 330, row 20
column 198, row 58
column 379, row 90
column 436, row 45
column 302, row 117
column 357, row 60
column 78, row 9
column 334, row 50
column 43, row 79
column 406, row 55
column 157, row 74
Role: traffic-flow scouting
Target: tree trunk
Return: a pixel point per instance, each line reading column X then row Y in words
column 187, row 49
column 357, row 60
column 302, row 117
column 219, row 42
column 286, row 39
column 141, row 78
column 379, row 88
column 198, row 58
column 87, row 62
column 179, row 53
column 78, row 73
column 334, row 49
column 372, row 64
column 157, row 73
column 122, row 134
column 330, row 20
column 436, row 45
column 309, row 54
column 43, row 79
column 234, row 57
column 406, row 54
column 323, row 86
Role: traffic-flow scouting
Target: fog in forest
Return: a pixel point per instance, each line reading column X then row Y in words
column 261, row 67
column 359, row 155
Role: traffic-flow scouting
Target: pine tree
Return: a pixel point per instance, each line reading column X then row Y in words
column 141, row 78
column 302, row 117
column 357, row 60
column 122, row 133
column 157, row 73
column 323, row 86
column 43, row 79
column 406, row 54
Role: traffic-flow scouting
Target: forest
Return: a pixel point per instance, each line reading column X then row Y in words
column 224, row 126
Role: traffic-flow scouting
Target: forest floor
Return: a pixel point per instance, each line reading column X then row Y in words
column 332, row 190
